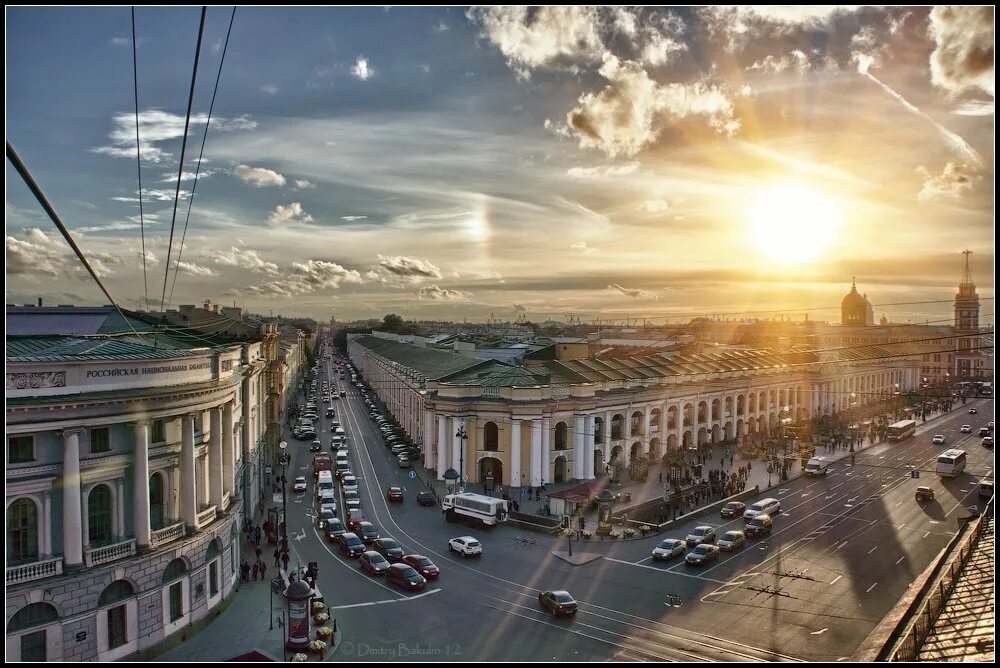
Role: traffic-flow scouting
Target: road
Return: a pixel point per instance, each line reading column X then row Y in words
column 843, row 552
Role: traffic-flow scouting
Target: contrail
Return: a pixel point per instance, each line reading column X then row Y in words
column 960, row 146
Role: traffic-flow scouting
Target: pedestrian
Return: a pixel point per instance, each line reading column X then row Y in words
column 277, row 556
column 748, row 467
column 517, row 506
column 263, row 570
column 258, row 552
column 256, row 535
column 284, row 560
column 661, row 476
column 255, row 569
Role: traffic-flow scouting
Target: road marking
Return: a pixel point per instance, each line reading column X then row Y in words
column 836, row 578
column 927, row 534
column 899, row 560
column 646, row 559
column 873, row 549
column 934, row 522
column 841, row 545
column 721, row 592
column 901, row 525
column 816, row 633
column 872, row 587
column 668, row 570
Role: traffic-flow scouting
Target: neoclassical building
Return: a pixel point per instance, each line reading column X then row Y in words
column 566, row 414
column 132, row 458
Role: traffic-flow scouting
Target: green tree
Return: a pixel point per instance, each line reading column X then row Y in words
column 392, row 323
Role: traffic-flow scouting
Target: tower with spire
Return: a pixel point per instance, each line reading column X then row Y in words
column 968, row 362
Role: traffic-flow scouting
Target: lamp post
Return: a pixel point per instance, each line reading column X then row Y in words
column 460, row 434
column 852, row 417
column 283, row 525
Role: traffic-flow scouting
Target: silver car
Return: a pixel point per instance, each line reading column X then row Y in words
column 702, row 534
column 732, row 540
column 668, row 549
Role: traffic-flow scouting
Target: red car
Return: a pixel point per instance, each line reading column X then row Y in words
column 422, row 565
column 395, row 494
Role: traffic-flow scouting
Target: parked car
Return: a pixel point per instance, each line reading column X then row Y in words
column 668, row 549
column 395, row 494
column 701, row 534
column 351, row 545
column 702, row 554
column 352, row 500
column 300, row 484
column 558, row 602
column 731, row 541
column 388, row 548
column 406, row 576
column 924, row 494
column 349, row 483
column 405, row 463
column 425, row 498
column 733, row 509
column 423, row 565
column 984, row 431
column 938, row 439
column 986, row 489
column 467, row 546
column 374, row 563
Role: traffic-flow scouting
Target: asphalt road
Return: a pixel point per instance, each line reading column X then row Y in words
column 842, row 553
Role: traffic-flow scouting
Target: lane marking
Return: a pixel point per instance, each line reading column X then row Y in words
column 841, row 545
column 927, row 534
column 873, row 549
column 899, row 560
column 872, row 587
column 836, row 578
column 667, row 570
column 821, row 631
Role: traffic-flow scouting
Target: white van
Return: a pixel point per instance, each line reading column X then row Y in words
column 817, row 466
column 339, row 431
column 324, row 483
column 765, row 506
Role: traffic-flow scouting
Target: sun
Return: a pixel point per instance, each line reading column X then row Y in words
column 792, row 223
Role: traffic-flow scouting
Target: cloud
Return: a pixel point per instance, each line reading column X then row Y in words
column 291, row 213
column 195, row 269
column 306, row 278
column 158, row 126
column 552, row 37
column 244, row 258
column 520, row 308
column 362, row 70
column 796, row 61
column 258, row 177
column 302, row 184
column 963, row 55
column 171, row 177
column 36, row 254
column 631, row 292
column 602, row 172
column 353, row 218
column 583, row 247
column 270, row 89
column 951, row 185
column 655, row 206
column 443, row 294
column 407, row 270
column 630, row 113
column 442, row 27
column 738, row 27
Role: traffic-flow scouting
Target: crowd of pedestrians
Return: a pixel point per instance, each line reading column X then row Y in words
column 254, row 534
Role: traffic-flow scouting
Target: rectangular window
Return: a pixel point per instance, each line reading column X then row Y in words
column 100, row 440
column 117, row 626
column 159, row 433
column 176, row 601
column 33, row 646
column 213, row 578
column 20, row 449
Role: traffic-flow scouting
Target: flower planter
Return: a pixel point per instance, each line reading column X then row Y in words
column 300, row 658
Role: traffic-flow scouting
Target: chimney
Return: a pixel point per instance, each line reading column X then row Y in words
column 39, row 302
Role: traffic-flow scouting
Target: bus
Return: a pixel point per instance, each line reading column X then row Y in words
column 901, row 430
column 951, row 463
column 479, row 509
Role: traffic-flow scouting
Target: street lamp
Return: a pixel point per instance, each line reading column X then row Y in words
column 852, row 417
column 283, row 525
column 460, row 435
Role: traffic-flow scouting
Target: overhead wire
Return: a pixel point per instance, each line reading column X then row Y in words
column 138, row 161
column 201, row 154
column 21, row 169
column 180, row 168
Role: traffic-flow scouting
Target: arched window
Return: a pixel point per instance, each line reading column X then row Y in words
column 99, row 518
column 119, row 590
column 33, row 614
column 156, row 501
column 171, row 575
column 212, row 559
column 174, row 570
column 561, row 436
column 117, row 616
column 491, row 437
column 22, row 532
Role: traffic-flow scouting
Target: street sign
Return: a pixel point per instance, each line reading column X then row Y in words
column 413, row 474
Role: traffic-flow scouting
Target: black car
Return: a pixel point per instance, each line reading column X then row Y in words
column 388, row 548
column 558, row 602
column 369, row 532
column 406, row 576
column 425, row 499
column 351, row 545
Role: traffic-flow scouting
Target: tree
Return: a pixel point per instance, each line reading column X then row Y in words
column 392, row 323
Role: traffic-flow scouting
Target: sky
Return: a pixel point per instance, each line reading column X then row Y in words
column 451, row 163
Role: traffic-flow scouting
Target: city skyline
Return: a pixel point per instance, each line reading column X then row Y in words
column 449, row 163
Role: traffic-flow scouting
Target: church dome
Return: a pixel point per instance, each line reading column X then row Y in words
column 853, row 298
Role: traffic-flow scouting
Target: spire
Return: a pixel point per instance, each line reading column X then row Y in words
column 967, row 273
column 854, row 284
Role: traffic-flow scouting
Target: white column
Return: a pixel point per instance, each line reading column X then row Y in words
column 428, row 434
column 589, row 442
column 72, row 507
column 627, row 449
column 646, row 435
column 442, row 443
column 546, row 463
column 140, row 485
column 515, row 453
column 457, row 456
column 578, row 432
column 536, row 453
column 47, row 519
column 228, row 451
column 189, row 505
column 606, row 450
column 214, row 460
column 119, row 508
column 663, row 427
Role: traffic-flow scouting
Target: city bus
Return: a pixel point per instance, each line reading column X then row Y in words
column 901, row 430
column 951, row 463
column 482, row 510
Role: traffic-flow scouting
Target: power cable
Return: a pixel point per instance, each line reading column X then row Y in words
column 40, row 196
column 138, row 159
column 180, row 168
column 197, row 170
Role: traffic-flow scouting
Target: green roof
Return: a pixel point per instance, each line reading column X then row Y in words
column 497, row 374
column 432, row 363
column 87, row 348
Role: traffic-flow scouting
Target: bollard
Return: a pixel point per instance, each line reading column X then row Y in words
column 334, row 625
